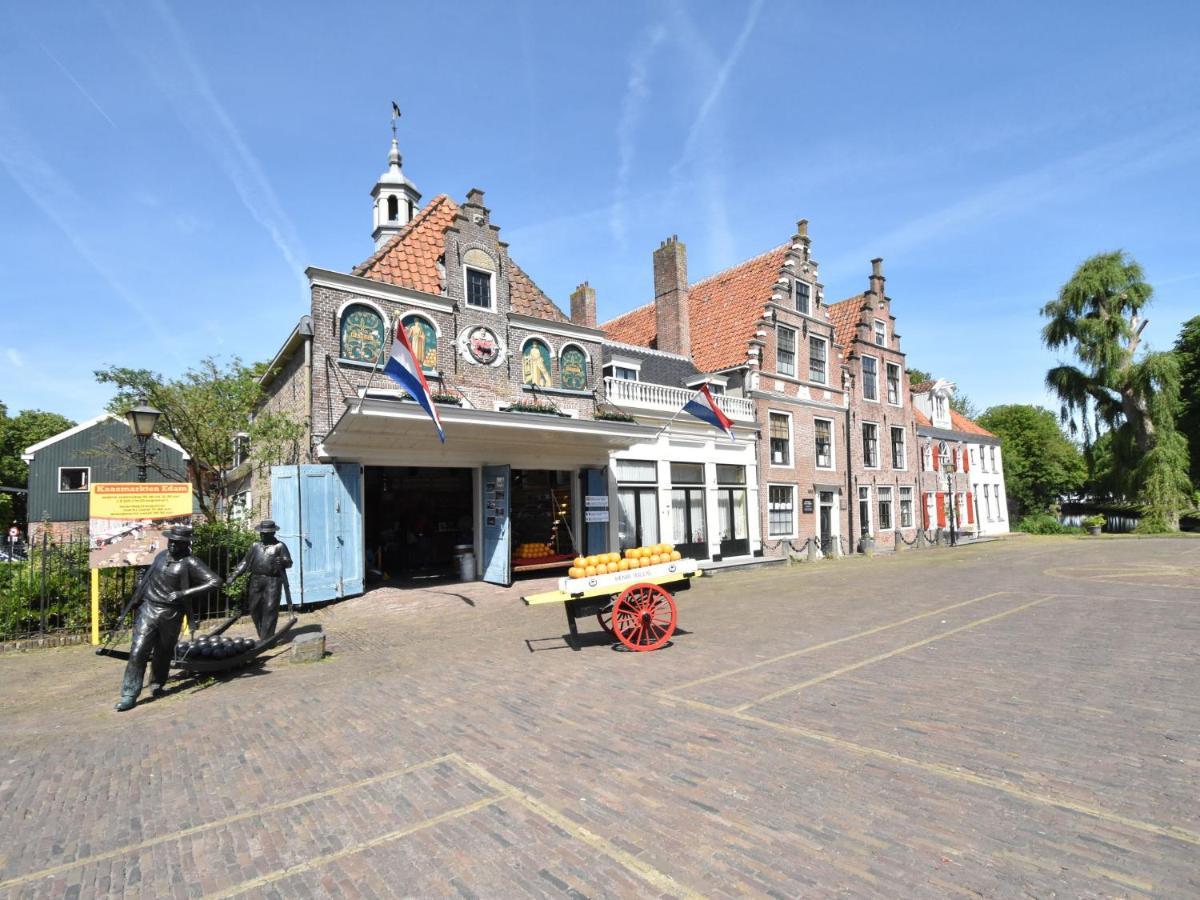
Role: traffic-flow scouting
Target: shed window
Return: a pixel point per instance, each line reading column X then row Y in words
column 74, row 479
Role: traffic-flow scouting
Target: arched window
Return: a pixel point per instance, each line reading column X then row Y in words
column 361, row 334
column 573, row 368
column 393, row 208
column 944, row 456
column 535, row 363
column 422, row 336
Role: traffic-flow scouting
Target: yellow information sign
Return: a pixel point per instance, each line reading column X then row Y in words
column 126, row 520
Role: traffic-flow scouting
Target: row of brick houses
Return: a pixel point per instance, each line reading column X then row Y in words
column 564, row 436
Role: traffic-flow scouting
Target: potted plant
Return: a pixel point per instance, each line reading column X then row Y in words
column 1095, row 523
column 446, row 399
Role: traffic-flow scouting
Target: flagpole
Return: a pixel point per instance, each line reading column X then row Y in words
column 371, row 379
column 677, row 412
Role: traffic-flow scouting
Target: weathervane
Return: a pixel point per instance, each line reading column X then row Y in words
column 395, row 116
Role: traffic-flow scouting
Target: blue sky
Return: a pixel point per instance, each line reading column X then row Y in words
column 167, row 170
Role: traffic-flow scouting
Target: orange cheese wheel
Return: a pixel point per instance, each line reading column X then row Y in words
column 575, row 572
column 589, row 571
column 675, row 554
column 579, row 562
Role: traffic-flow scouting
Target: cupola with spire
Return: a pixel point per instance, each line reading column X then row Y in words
column 396, row 199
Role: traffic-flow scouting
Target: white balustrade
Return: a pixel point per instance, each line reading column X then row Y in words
column 662, row 398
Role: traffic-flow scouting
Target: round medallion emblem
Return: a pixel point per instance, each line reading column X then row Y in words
column 479, row 344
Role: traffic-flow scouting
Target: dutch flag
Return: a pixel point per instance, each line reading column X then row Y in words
column 704, row 407
column 403, row 368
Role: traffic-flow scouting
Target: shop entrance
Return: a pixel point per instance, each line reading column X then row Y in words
column 415, row 518
column 543, row 521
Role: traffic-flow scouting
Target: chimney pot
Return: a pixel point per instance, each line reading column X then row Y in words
column 583, row 305
column 802, row 228
column 671, row 297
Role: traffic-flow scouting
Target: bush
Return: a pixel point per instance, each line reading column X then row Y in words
column 1153, row 524
column 1096, row 520
column 1044, row 523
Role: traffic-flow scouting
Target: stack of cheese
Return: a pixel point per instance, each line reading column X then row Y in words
column 635, row 558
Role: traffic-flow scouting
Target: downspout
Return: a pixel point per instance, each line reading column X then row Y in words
column 308, row 397
column 851, row 499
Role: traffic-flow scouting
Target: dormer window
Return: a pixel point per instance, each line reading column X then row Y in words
column 621, row 373
column 803, row 296
column 479, row 289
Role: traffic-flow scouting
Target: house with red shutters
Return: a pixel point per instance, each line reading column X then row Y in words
column 962, row 466
column 836, row 458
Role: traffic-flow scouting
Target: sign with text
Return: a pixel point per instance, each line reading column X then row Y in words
column 126, row 520
column 595, row 515
column 595, row 500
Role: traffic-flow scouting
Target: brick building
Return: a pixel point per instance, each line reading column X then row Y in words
column 516, row 382
column 827, row 383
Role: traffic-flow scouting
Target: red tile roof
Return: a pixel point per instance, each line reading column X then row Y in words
column 922, row 386
column 961, row 423
column 410, row 259
column 845, row 316
column 723, row 311
column 921, row 418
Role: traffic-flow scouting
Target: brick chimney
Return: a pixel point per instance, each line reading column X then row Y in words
column 877, row 277
column 583, row 305
column 671, row 297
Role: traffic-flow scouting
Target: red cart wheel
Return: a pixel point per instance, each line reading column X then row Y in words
column 604, row 617
column 643, row 618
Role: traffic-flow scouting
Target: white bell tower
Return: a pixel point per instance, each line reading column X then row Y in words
column 396, row 199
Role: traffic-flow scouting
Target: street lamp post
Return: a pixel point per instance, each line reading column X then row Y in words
column 142, row 419
column 948, row 464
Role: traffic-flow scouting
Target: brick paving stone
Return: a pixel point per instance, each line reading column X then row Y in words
column 1052, row 750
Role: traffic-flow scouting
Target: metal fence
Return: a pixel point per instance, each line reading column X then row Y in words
column 47, row 595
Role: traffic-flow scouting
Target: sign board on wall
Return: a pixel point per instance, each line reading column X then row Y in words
column 595, row 515
column 596, row 500
column 126, row 520
column 807, row 504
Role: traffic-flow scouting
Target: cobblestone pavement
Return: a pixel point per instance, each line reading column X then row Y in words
column 1014, row 718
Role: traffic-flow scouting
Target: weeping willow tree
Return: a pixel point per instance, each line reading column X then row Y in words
column 1120, row 386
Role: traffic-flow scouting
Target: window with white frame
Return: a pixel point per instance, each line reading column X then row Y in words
column 893, row 384
column 906, row 507
column 899, row 453
column 823, row 443
column 817, row 358
column 993, row 452
column 637, row 502
column 864, row 511
column 479, row 289
column 781, row 510
column 926, row 458
column 974, row 457
column 987, row 500
column 880, row 333
column 999, row 504
column 74, row 479
column 785, row 351
column 870, row 437
column 884, row 500
column 621, row 373
column 870, row 372
column 780, row 427
column 803, row 296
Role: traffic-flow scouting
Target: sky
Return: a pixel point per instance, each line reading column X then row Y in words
column 168, row 170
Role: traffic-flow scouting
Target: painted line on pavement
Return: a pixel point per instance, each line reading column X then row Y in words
column 879, row 657
column 659, row 880
column 228, row 820
column 953, row 773
column 318, row 861
column 670, row 692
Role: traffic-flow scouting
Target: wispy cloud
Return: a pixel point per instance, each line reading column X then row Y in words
column 79, row 87
column 177, row 72
column 13, row 355
column 51, row 191
column 636, row 91
column 1090, row 170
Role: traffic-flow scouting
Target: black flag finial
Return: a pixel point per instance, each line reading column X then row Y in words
column 395, row 116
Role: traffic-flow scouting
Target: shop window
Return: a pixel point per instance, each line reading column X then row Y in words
column 535, row 364
column 362, row 334
column 572, row 369
column 637, row 502
column 74, row 479
column 732, row 510
column 422, row 336
column 688, row 526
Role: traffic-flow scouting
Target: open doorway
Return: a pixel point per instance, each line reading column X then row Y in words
column 415, row 519
column 542, row 520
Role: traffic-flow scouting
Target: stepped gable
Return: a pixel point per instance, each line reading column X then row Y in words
column 527, row 298
column 723, row 312
column 410, row 259
column 845, row 315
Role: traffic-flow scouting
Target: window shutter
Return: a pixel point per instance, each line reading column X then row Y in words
column 970, row 509
column 933, row 451
column 925, row 509
column 941, row 509
column 966, row 460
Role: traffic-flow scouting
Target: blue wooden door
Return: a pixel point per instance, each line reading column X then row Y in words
column 285, row 510
column 320, row 554
column 350, row 528
column 595, row 533
column 496, row 507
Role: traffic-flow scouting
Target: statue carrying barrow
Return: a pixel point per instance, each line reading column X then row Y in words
column 267, row 562
column 162, row 599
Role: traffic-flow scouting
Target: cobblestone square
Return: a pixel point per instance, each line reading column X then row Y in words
column 1005, row 719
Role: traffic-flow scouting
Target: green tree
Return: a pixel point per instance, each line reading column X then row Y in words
column 1040, row 462
column 1187, row 356
column 916, row 376
column 960, row 403
column 1119, row 385
column 25, row 429
column 203, row 411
